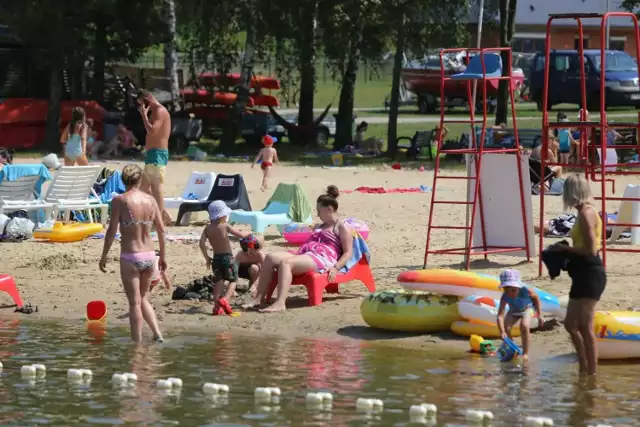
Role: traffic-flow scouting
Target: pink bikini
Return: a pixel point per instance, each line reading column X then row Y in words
column 141, row 260
column 323, row 247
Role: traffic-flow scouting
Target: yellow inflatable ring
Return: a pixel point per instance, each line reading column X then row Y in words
column 407, row 311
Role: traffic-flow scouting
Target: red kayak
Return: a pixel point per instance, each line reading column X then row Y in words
column 233, row 79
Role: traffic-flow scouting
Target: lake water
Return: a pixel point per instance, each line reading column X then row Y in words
column 350, row 369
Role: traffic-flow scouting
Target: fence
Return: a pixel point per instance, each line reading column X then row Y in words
column 323, row 72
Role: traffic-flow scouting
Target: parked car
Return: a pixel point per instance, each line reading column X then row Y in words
column 326, row 128
column 621, row 79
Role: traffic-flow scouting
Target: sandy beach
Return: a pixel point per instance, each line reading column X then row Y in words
column 61, row 278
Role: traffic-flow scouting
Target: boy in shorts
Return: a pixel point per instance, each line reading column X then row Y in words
column 269, row 156
column 522, row 301
column 223, row 263
column 250, row 259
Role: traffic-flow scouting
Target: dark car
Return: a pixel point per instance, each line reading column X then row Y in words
column 621, row 79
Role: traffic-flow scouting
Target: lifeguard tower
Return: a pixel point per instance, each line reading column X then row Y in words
column 498, row 200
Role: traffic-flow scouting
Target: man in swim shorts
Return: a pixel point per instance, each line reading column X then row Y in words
column 158, row 128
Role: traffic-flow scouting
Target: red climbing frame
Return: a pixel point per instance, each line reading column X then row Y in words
column 476, row 150
column 594, row 173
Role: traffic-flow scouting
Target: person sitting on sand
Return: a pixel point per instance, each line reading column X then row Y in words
column 250, row 259
column 136, row 212
column 223, row 263
column 369, row 145
column 328, row 249
column 522, row 301
column 269, row 156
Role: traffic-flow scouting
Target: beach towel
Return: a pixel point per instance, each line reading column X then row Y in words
column 14, row 172
column 112, row 187
column 360, row 249
column 382, row 190
column 292, row 194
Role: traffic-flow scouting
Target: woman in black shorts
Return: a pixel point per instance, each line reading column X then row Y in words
column 588, row 277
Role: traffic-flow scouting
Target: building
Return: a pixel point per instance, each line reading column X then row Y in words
column 531, row 23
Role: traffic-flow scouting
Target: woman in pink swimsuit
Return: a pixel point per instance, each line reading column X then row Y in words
column 136, row 212
column 327, row 250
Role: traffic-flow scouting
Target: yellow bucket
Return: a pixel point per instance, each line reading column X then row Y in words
column 337, row 159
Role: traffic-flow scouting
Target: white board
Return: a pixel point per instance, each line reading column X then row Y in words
column 628, row 213
column 500, row 189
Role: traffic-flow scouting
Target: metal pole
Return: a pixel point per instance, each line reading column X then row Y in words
column 608, row 35
column 473, row 105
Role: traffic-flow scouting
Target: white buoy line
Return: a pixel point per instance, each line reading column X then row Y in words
column 420, row 413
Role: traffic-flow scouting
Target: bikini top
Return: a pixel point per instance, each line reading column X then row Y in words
column 133, row 221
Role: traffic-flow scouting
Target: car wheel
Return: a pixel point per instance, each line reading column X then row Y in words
column 322, row 137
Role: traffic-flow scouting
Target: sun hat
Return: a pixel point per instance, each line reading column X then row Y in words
column 267, row 140
column 510, row 278
column 218, row 209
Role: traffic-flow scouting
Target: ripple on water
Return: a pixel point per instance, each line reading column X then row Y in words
column 347, row 369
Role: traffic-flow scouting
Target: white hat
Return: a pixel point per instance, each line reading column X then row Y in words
column 218, row 209
column 510, row 278
column 51, row 161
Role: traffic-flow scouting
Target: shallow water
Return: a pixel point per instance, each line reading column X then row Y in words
column 349, row 369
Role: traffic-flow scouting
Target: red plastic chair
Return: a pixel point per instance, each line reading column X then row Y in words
column 316, row 283
column 8, row 285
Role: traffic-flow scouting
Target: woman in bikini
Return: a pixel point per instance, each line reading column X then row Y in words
column 327, row 250
column 136, row 212
column 74, row 139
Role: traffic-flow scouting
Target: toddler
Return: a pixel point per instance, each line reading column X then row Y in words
column 158, row 275
column 522, row 301
column 250, row 259
column 269, row 156
column 223, row 264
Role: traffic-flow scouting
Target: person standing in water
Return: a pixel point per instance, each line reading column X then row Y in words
column 74, row 139
column 135, row 212
column 158, row 128
column 588, row 276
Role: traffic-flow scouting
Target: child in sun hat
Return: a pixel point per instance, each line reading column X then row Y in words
column 223, row 263
column 522, row 301
column 269, row 156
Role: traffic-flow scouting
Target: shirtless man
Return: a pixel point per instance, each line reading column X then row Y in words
column 157, row 147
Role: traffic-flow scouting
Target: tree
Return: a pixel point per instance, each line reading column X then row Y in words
column 344, row 24
column 170, row 50
column 419, row 25
column 57, row 31
column 121, row 30
column 507, row 28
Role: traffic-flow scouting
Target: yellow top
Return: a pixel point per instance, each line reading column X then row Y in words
column 576, row 234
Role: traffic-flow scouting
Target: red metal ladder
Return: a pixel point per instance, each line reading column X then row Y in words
column 476, row 150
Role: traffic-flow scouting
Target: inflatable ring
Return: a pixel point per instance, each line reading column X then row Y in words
column 409, row 311
column 484, row 310
column 618, row 334
column 297, row 234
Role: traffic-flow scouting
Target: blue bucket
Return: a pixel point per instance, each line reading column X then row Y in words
column 508, row 350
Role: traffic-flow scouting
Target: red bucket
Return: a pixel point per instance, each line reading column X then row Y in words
column 96, row 310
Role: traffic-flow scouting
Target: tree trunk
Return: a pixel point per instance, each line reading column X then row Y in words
column 232, row 127
column 507, row 28
column 99, row 61
column 52, row 135
column 307, row 66
column 344, row 120
column 392, row 129
column 170, row 54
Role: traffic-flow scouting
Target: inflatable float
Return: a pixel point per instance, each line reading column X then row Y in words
column 297, row 234
column 618, row 334
column 484, row 310
column 67, row 233
column 409, row 311
column 465, row 284
column 466, row 328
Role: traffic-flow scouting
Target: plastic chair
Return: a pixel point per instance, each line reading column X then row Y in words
column 492, row 63
column 228, row 188
column 8, row 285
column 275, row 214
column 316, row 283
column 197, row 190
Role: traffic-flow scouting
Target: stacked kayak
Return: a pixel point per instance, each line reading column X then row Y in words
column 438, row 300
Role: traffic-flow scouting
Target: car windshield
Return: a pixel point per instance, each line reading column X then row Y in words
column 618, row 61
